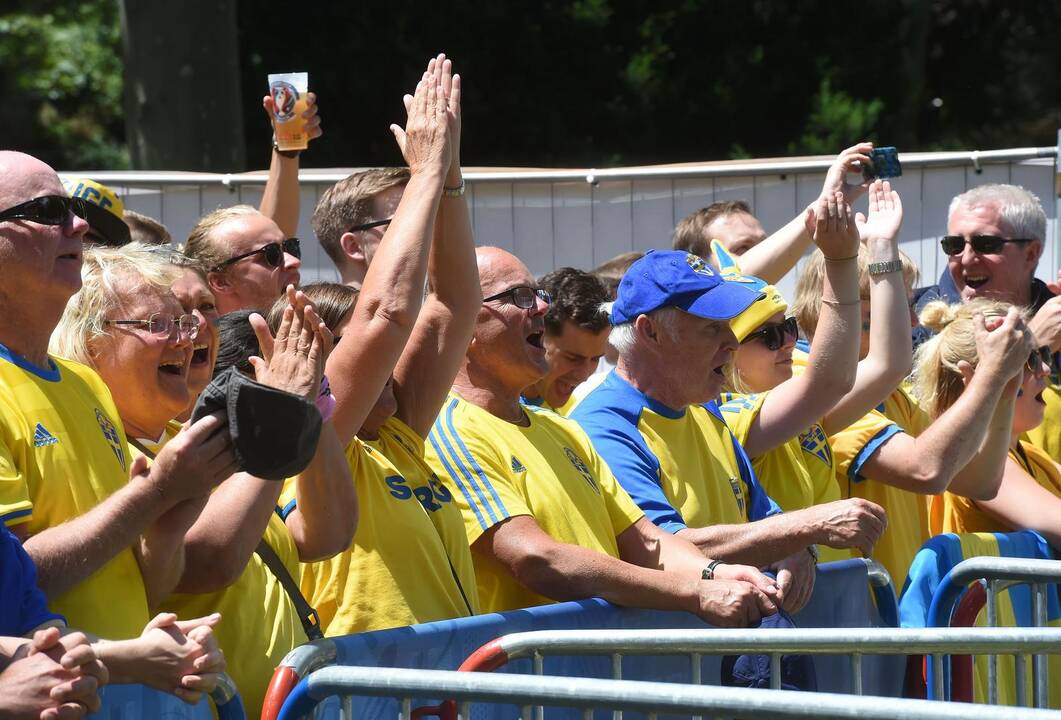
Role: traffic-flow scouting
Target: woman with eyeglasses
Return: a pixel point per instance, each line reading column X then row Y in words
column 128, row 324
column 1029, row 496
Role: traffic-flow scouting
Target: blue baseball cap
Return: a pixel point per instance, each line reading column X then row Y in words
column 671, row 278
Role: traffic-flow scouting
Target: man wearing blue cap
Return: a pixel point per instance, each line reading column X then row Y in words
column 545, row 518
column 655, row 422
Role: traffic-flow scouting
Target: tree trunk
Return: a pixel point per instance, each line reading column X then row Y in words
column 182, row 88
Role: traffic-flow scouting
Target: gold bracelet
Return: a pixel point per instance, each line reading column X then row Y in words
column 837, row 303
column 829, row 259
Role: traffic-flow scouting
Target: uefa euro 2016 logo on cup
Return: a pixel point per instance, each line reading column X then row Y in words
column 288, row 91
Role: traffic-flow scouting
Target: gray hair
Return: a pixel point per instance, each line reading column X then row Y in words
column 623, row 337
column 1021, row 209
column 107, row 275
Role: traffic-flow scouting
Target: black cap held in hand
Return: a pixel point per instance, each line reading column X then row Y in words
column 274, row 433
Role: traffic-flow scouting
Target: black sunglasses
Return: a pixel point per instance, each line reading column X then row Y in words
column 982, row 244
column 773, row 336
column 369, row 225
column 1039, row 357
column 47, row 210
column 273, row 252
column 522, row 297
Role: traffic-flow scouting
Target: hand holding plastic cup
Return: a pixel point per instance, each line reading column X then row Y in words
column 288, row 91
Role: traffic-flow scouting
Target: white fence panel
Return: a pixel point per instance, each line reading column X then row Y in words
column 556, row 218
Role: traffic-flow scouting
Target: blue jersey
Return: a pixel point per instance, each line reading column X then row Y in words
column 683, row 468
column 22, row 604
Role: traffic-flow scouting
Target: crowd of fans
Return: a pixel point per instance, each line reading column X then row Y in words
column 665, row 431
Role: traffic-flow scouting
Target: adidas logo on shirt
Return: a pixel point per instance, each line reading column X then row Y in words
column 43, row 438
column 517, row 466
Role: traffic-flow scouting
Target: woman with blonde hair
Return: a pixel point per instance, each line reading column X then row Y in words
column 1030, row 494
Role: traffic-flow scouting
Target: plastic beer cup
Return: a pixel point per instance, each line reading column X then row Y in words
column 288, row 91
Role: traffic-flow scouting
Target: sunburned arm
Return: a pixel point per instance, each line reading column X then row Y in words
column 841, row 524
column 562, row 571
column 390, row 298
column 791, row 407
column 889, row 358
column 429, row 363
column 325, row 517
column 220, row 543
column 1024, row 504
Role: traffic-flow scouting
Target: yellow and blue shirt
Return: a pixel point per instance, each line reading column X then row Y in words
column 907, row 511
column 409, row 561
column 1047, row 436
column 259, row 624
column 62, row 453
column 547, row 470
column 684, row 468
column 796, row 474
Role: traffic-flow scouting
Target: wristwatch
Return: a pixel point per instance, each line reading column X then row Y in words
column 880, row 268
column 454, row 192
column 813, row 550
column 709, row 571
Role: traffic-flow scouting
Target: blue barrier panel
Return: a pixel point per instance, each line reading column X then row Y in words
column 841, row 598
column 133, row 702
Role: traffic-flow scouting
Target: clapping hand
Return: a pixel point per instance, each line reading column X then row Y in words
column 425, row 141
column 885, row 214
column 834, row 230
column 293, row 360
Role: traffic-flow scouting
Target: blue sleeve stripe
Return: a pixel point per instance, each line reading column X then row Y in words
column 15, row 515
column 286, row 510
column 671, row 526
column 855, row 471
column 475, row 465
column 433, row 437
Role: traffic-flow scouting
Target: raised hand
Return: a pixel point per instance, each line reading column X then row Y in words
column 835, row 232
column 1003, row 351
column 293, row 360
column 425, row 140
column 885, row 214
column 190, row 465
column 312, row 128
column 850, row 160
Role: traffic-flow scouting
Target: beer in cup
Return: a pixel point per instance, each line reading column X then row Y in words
column 288, row 91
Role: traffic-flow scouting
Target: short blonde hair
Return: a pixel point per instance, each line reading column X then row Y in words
column 109, row 275
column 807, row 303
column 349, row 202
column 937, row 380
column 201, row 245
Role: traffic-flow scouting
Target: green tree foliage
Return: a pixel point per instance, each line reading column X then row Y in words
column 61, row 80
column 579, row 82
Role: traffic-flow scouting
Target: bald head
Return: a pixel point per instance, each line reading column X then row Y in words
column 22, row 176
column 497, row 268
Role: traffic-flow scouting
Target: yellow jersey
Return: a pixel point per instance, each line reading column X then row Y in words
column 796, row 474
column 409, row 561
column 547, row 470
column 683, row 468
column 956, row 514
column 907, row 512
column 259, row 624
column 63, row 452
column 1047, row 436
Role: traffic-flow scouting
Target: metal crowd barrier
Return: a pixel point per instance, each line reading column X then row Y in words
column 850, row 593
column 991, row 576
column 588, row 694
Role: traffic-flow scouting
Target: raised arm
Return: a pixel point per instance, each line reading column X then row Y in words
column 951, row 453
column 280, row 201
column 791, row 407
column 429, row 363
column 890, row 356
column 390, row 298
column 776, row 255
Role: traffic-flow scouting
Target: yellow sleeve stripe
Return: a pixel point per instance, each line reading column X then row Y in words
column 465, row 471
